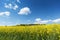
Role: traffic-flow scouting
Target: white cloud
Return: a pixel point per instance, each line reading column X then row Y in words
column 15, row 7
column 10, row 6
column 44, row 21
column 24, row 11
column 18, row 1
column 56, row 20
column 40, row 21
column 7, row 13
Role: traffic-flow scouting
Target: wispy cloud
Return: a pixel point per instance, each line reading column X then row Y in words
column 10, row 6
column 40, row 21
column 56, row 20
column 18, row 1
column 6, row 23
column 7, row 13
column 24, row 11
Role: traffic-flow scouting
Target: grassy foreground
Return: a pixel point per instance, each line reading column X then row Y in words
column 34, row 32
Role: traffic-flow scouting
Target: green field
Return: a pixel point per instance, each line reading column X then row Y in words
column 30, row 32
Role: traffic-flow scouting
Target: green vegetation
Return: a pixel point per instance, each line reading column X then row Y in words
column 30, row 32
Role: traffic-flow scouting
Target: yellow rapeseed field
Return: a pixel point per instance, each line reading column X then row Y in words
column 32, row 32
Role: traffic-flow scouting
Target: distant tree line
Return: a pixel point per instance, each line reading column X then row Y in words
column 29, row 24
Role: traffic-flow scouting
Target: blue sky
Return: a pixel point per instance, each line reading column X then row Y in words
column 14, row 12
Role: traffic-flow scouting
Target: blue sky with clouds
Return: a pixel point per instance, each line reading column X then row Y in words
column 29, row 11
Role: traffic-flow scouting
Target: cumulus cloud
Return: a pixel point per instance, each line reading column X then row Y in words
column 24, row 11
column 15, row 7
column 10, row 6
column 7, row 13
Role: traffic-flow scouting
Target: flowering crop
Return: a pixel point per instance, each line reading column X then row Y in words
column 34, row 32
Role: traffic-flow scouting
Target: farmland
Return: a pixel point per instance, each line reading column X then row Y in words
column 30, row 32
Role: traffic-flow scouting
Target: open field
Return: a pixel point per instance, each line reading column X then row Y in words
column 30, row 32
